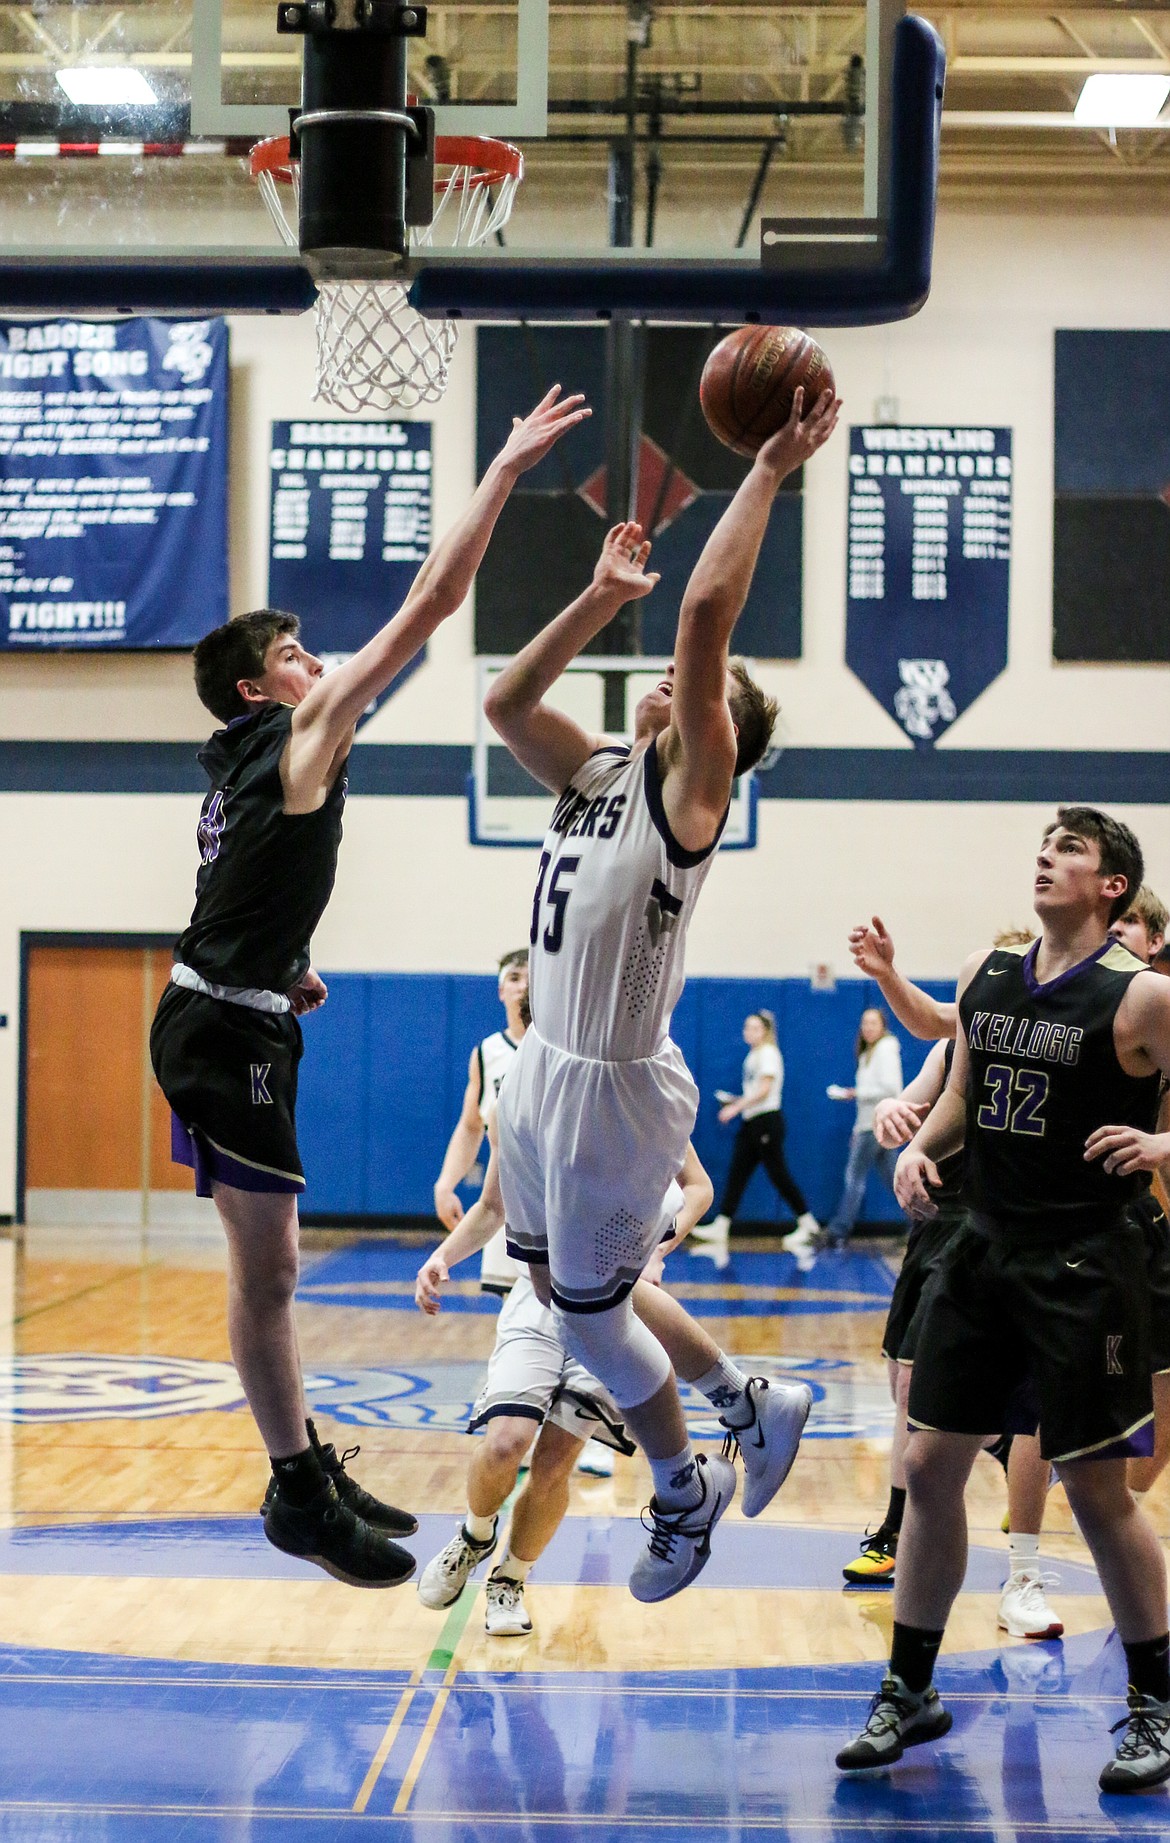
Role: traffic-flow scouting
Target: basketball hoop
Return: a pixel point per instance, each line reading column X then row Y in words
column 373, row 350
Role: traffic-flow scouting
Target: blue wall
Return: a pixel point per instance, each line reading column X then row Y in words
column 386, row 1063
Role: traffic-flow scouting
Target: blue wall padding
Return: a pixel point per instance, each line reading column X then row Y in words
column 386, row 1063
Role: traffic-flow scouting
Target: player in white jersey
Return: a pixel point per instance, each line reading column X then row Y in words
column 489, row 1062
column 597, row 1112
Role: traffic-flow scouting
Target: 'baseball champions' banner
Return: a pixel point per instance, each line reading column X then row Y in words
column 930, row 521
column 113, row 483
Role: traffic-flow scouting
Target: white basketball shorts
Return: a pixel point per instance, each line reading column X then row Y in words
column 531, row 1375
column 588, row 1152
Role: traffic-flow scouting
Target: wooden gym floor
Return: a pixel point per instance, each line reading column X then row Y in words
column 163, row 1671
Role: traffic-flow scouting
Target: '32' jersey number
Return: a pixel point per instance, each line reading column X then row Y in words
column 557, row 898
column 1014, row 1100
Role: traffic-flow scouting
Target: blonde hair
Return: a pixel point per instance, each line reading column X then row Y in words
column 1014, row 937
column 1149, row 909
column 768, row 1020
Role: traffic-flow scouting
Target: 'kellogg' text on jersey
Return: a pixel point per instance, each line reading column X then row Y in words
column 614, row 896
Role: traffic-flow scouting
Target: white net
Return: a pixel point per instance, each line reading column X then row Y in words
column 374, row 352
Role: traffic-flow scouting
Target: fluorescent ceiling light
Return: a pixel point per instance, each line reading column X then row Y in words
column 105, row 84
column 1131, row 100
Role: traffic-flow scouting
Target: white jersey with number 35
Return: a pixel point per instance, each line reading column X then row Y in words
column 614, row 896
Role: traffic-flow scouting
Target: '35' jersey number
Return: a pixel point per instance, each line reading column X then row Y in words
column 557, row 898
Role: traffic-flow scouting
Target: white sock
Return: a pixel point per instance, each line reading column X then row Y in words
column 808, row 1224
column 1025, row 1552
column 480, row 1529
column 513, row 1567
column 720, row 1225
column 676, row 1481
column 724, row 1385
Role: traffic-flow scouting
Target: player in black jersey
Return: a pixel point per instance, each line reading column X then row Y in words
column 226, row 1042
column 1143, row 930
column 1046, row 1284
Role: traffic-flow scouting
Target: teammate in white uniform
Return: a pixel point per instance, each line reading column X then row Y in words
column 597, row 1112
column 489, row 1062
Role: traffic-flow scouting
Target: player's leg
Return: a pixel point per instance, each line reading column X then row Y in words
column 1132, row 1569
column 766, row 1418
column 1142, row 1473
column 879, row 1547
column 536, row 1516
column 1024, row 1611
column 491, row 1475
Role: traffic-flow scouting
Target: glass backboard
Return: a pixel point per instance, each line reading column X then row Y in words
column 661, row 140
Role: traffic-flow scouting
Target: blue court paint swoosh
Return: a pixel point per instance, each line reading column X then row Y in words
column 596, row 1551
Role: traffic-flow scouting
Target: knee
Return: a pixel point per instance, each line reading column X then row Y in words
column 1098, row 1496
column 269, row 1285
column 553, row 1459
column 619, row 1350
column 508, row 1437
column 930, row 1477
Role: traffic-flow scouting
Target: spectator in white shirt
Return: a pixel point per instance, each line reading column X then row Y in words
column 759, row 1141
column 879, row 1077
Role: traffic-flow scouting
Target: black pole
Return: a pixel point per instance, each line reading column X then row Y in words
column 749, row 211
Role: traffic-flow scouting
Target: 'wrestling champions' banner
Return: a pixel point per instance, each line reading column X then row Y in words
column 930, row 521
column 113, row 483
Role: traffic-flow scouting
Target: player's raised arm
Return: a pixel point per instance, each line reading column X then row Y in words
column 325, row 721
column 923, row 1016
column 548, row 743
column 714, row 598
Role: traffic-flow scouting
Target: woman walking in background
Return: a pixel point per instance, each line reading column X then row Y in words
column 879, row 1077
column 759, row 1141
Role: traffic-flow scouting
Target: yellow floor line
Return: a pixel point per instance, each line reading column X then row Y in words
column 386, row 1743
column 410, row 1780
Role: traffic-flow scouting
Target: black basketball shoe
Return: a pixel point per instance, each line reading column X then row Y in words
column 355, row 1497
column 325, row 1531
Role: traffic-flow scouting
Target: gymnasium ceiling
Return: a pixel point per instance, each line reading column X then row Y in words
column 1014, row 72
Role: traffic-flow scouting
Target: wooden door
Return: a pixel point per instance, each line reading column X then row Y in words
column 94, row 1117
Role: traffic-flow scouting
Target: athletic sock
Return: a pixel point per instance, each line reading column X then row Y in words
column 912, row 1657
column 300, row 1477
column 676, row 1481
column 480, row 1529
column 1024, row 1551
column 895, row 1509
column 724, row 1386
column 1149, row 1667
column 513, row 1567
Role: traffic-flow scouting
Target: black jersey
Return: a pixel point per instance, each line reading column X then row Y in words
column 1044, row 1075
column 950, row 1170
column 265, row 875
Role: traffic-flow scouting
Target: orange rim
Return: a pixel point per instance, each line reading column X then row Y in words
column 489, row 162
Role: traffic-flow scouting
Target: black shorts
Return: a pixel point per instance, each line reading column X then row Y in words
column 1071, row 1318
column 1156, row 1235
column 230, row 1075
column 925, row 1250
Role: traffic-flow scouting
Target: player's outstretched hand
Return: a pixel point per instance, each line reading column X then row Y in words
column 895, row 1121
column 533, row 435
column 915, row 1176
column 430, row 1278
column 309, row 994
column 872, row 948
column 1126, row 1150
column 802, row 434
column 621, row 567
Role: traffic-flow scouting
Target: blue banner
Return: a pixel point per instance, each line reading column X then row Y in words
column 113, row 483
column 351, row 523
column 930, row 522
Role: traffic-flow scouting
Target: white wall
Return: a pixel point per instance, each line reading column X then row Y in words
column 413, row 895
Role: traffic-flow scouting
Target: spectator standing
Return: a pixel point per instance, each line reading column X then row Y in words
column 879, row 1078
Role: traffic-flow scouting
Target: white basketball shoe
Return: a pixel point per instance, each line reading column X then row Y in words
column 680, row 1540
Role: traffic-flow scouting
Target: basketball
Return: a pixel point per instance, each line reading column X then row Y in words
column 749, row 379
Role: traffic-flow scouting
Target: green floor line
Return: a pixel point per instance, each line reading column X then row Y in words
column 452, row 1632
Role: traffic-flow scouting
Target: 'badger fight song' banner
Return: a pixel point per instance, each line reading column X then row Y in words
column 113, row 483
column 930, row 527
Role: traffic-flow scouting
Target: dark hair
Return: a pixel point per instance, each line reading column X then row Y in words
column 525, row 1011
column 861, row 1046
column 234, row 651
column 1117, row 847
column 754, row 714
column 518, row 957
